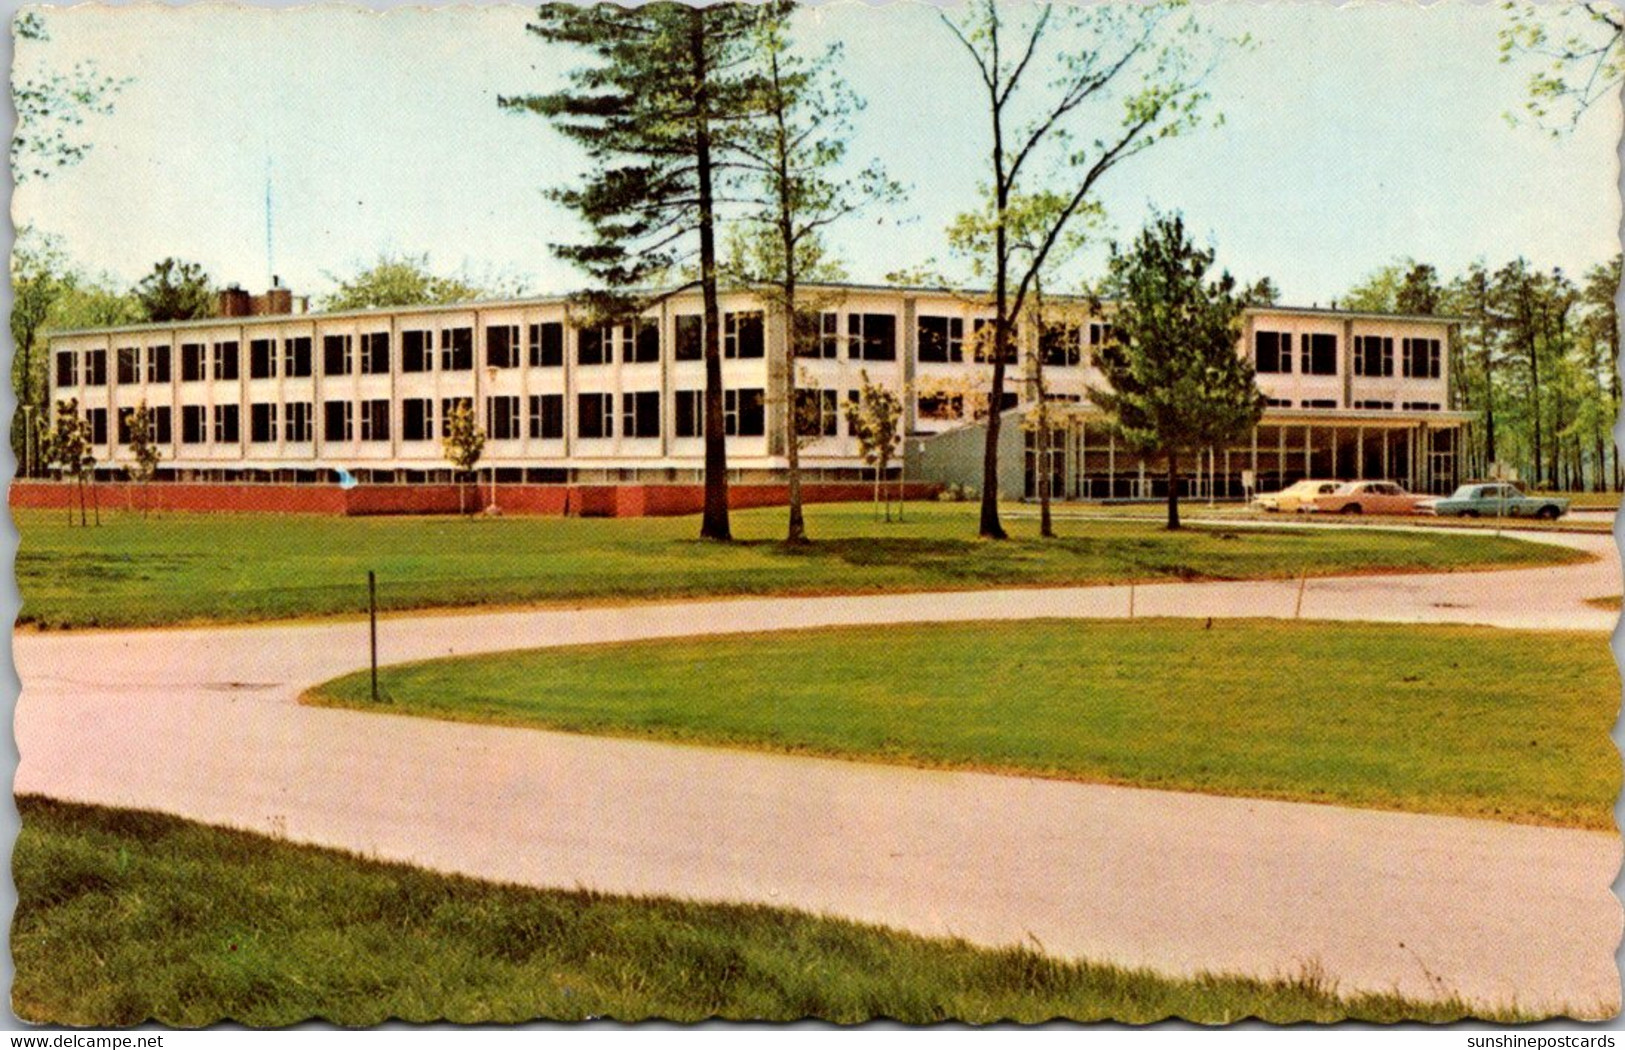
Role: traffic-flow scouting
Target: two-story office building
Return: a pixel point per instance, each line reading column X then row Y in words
column 298, row 397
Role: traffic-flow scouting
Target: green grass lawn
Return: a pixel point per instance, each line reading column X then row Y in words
column 124, row 916
column 1459, row 720
column 179, row 568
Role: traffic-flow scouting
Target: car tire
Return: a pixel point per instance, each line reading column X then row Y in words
column 1469, row 513
column 1352, row 508
column 1548, row 513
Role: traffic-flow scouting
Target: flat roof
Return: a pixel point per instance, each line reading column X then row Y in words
column 656, row 296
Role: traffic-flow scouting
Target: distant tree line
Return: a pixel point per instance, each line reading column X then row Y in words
column 1534, row 357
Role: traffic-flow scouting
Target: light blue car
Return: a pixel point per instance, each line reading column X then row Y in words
column 1494, row 500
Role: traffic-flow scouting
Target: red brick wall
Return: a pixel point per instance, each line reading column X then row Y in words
column 604, row 501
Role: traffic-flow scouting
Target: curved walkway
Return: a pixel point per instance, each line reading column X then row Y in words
column 204, row 724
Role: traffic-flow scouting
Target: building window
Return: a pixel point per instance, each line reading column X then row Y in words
column 646, row 344
column 941, row 406
column 338, row 421
column 690, row 338
column 1381, row 406
column 815, row 413
column 742, row 335
column 1317, row 354
column 1277, row 402
column 375, row 420
column 1061, row 345
column 1421, row 406
column 95, row 367
column 689, row 414
column 97, row 418
column 824, row 337
column 227, row 360
column 375, row 353
column 298, row 422
column 417, row 352
column 338, row 355
column 228, row 425
column 125, row 430
column 296, row 356
column 1101, row 333
column 502, row 346
column 942, row 339
column 157, row 364
column 129, row 365
column 642, row 414
column 547, row 416
column 1272, row 352
column 596, row 346
column 67, row 368
column 261, row 423
column 982, row 329
column 417, row 419
column 743, row 414
column 1373, row 355
column 1422, row 358
column 193, row 428
column 547, row 345
column 192, row 362
column 595, row 415
column 261, row 358
column 163, row 427
column 448, row 405
column 502, row 417
column 871, row 337
column 1320, row 402
column 457, row 349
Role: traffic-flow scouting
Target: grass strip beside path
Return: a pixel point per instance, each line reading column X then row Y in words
column 124, row 916
column 192, row 568
column 1468, row 721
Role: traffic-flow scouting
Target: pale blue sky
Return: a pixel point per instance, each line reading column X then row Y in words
column 1352, row 136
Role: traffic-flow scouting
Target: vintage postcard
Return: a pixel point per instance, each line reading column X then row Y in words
column 977, row 512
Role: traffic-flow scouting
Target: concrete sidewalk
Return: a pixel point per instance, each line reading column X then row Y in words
column 203, row 723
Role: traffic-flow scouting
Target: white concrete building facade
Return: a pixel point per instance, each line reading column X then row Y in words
column 300, row 396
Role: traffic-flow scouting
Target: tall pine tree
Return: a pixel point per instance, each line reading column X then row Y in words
column 1177, row 383
column 658, row 114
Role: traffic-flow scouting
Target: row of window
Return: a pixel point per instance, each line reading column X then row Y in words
column 1326, row 402
column 1373, row 355
column 867, row 337
column 744, row 415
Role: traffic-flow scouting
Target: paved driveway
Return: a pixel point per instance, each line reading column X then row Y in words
column 203, row 723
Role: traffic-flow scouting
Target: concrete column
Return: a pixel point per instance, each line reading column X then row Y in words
column 1385, row 469
column 1308, row 450
column 909, row 338
column 1111, row 464
column 1280, row 457
column 1359, row 453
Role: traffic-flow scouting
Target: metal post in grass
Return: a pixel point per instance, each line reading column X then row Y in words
column 1303, row 581
column 372, row 628
column 1131, row 599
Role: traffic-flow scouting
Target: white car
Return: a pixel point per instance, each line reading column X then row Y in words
column 1297, row 498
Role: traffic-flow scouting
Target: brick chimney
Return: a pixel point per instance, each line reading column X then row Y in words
column 276, row 301
column 235, row 302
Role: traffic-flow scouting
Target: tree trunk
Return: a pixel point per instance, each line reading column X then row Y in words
column 1173, row 490
column 714, row 521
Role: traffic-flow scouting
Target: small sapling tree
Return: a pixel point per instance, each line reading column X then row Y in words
column 875, row 419
column 463, row 441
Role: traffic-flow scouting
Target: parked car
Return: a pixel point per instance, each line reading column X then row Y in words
column 1368, row 497
column 1493, row 500
column 1295, row 498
